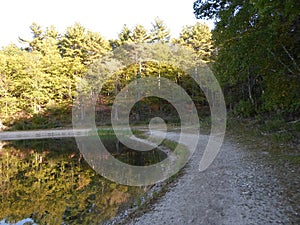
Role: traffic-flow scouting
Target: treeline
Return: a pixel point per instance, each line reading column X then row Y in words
column 257, row 63
column 42, row 75
column 253, row 51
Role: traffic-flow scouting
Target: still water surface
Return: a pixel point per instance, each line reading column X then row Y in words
column 48, row 182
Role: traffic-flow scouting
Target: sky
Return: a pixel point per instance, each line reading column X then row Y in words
column 104, row 16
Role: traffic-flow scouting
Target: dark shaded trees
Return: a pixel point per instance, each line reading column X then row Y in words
column 257, row 45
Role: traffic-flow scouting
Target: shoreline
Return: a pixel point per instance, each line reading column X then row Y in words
column 251, row 146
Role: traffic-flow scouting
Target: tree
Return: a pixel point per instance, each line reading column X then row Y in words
column 198, row 38
column 8, row 102
column 57, row 73
column 257, row 54
column 22, row 72
column 140, row 34
column 126, row 35
column 159, row 32
column 83, row 44
column 37, row 34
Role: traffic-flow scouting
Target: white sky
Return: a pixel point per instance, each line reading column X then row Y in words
column 106, row 17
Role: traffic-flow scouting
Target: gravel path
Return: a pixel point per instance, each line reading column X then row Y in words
column 240, row 187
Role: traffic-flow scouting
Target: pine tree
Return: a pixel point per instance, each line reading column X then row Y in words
column 83, row 44
column 159, row 32
column 140, row 34
column 198, row 38
column 125, row 36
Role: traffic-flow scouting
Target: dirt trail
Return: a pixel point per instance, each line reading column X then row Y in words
column 240, row 187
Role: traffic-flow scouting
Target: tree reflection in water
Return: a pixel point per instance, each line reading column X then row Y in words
column 47, row 182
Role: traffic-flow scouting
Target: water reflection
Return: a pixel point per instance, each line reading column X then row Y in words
column 48, row 182
column 132, row 157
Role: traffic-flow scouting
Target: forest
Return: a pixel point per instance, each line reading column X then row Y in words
column 257, row 61
column 38, row 81
column 253, row 52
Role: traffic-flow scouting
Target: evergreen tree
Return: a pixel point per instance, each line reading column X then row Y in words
column 125, row 36
column 140, row 34
column 83, row 44
column 159, row 32
column 198, row 38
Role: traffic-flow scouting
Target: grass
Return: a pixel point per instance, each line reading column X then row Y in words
column 293, row 159
column 279, row 138
column 109, row 133
column 273, row 129
column 172, row 145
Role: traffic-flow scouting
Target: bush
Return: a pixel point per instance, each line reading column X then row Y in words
column 244, row 108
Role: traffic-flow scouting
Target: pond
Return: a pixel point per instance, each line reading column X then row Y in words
column 47, row 181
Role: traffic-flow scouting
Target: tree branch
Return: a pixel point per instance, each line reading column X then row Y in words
column 282, row 63
column 291, row 57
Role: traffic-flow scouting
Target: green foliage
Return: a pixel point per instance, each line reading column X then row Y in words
column 159, row 32
column 53, row 116
column 83, row 44
column 46, row 71
column 198, row 38
column 140, row 34
column 126, row 35
column 244, row 109
column 257, row 52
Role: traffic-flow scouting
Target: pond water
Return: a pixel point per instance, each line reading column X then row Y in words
column 48, row 182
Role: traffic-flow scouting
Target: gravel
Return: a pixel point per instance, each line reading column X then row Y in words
column 240, row 187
